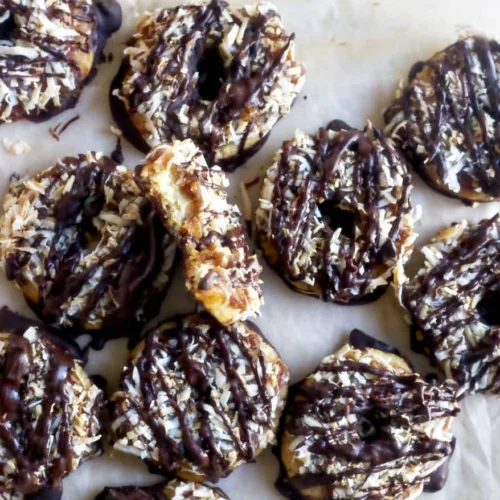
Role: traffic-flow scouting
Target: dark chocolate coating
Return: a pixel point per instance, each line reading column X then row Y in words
column 45, row 495
column 133, row 493
column 361, row 340
column 440, row 476
column 120, row 114
column 142, row 493
column 12, row 322
column 109, row 19
column 117, row 153
column 459, row 112
column 29, row 448
column 476, row 252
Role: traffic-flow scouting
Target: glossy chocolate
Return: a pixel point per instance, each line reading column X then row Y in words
column 163, row 491
column 127, row 268
column 360, row 340
column 459, row 332
column 198, row 444
column 133, row 493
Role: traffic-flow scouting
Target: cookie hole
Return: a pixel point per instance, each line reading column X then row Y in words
column 489, row 308
column 336, row 217
column 7, row 27
column 210, row 68
column 368, row 429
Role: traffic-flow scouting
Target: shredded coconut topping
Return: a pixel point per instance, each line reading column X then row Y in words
column 180, row 490
column 43, row 68
column 447, row 119
column 53, row 388
column 83, row 243
column 364, row 184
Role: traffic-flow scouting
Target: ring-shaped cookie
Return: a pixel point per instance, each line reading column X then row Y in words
column 364, row 425
column 199, row 399
column 447, row 120
column 48, row 51
column 85, row 246
column 453, row 304
column 218, row 75
column 335, row 215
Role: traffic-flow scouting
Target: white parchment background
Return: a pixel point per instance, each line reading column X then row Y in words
column 355, row 51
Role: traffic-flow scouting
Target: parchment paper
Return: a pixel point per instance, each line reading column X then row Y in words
column 356, row 51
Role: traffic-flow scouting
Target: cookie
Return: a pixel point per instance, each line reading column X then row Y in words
column 218, row 75
column 446, row 120
column 221, row 270
column 48, row 52
column 452, row 303
column 49, row 419
column 85, row 246
column 198, row 399
column 364, row 425
column 335, row 216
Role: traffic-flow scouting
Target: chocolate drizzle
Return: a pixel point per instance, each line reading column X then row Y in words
column 386, row 403
column 117, row 153
column 471, row 267
column 123, row 263
column 61, row 127
column 58, row 58
column 300, row 193
column 455, row 115
column 38, row 442
column 196, row 355
column 222, row 94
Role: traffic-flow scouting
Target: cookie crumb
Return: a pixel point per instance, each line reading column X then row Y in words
column 115, row 130
column 53, row 132
column 17, row 148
